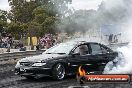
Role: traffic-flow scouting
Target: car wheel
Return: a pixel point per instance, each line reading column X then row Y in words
column 58, row 72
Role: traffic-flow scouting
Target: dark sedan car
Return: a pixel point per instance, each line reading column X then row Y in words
column 65, row 58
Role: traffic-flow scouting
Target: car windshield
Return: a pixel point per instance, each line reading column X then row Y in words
column 62, row 48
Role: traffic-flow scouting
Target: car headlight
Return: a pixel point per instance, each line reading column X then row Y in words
column 18, row 64
column 39, row 64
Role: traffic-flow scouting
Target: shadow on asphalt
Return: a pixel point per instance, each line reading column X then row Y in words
column 47, row 79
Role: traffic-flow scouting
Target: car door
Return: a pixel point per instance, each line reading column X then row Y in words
column 77, row 60
column 97, row 57
column 108, row 53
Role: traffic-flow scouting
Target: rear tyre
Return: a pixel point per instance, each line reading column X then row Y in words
column 58, row 72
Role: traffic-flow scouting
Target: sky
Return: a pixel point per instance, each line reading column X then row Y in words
column 77, row 4
column 85, row 4
column 4, row 5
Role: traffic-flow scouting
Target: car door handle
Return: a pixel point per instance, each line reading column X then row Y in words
column 88, row 64
column 74, row 65
column 103, row 63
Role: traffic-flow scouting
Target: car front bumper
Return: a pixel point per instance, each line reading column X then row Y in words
column 33, row 71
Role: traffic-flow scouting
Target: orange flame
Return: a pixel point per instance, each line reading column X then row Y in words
column 81, row 71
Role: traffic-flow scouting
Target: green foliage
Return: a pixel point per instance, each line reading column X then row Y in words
column 3, row 20
column 15, row 29
column 34, row 29
column 3, row 15
column 21, row 10
column 35, row 17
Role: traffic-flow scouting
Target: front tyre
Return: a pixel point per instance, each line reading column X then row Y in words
column 58, row 72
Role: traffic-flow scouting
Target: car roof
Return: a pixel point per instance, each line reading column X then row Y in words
column 81, row 42
column 85, row 42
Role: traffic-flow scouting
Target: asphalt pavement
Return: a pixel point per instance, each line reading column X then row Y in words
column 9, row 80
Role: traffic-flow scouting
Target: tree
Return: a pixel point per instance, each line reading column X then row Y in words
column 15, row 29
column 37, row 11
column 3, row 20
column 35, row 17
column 61, row 7
column 21, row 10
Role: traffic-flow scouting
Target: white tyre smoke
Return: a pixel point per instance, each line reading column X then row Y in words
column 121, row 64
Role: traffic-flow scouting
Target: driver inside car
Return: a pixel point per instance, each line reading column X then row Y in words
column 83, row 50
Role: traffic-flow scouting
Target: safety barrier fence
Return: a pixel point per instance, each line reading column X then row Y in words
column 11, row 57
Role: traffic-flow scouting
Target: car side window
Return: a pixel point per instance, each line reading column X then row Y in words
column 95, row 49
column 76, row 50
column 81, row 49
column 105, row 49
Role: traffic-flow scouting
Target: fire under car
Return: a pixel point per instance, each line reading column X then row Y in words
column 65, row 58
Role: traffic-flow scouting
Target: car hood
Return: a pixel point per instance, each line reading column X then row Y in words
column 41, row 57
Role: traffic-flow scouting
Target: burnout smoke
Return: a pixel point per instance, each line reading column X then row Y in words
column 123, row 63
